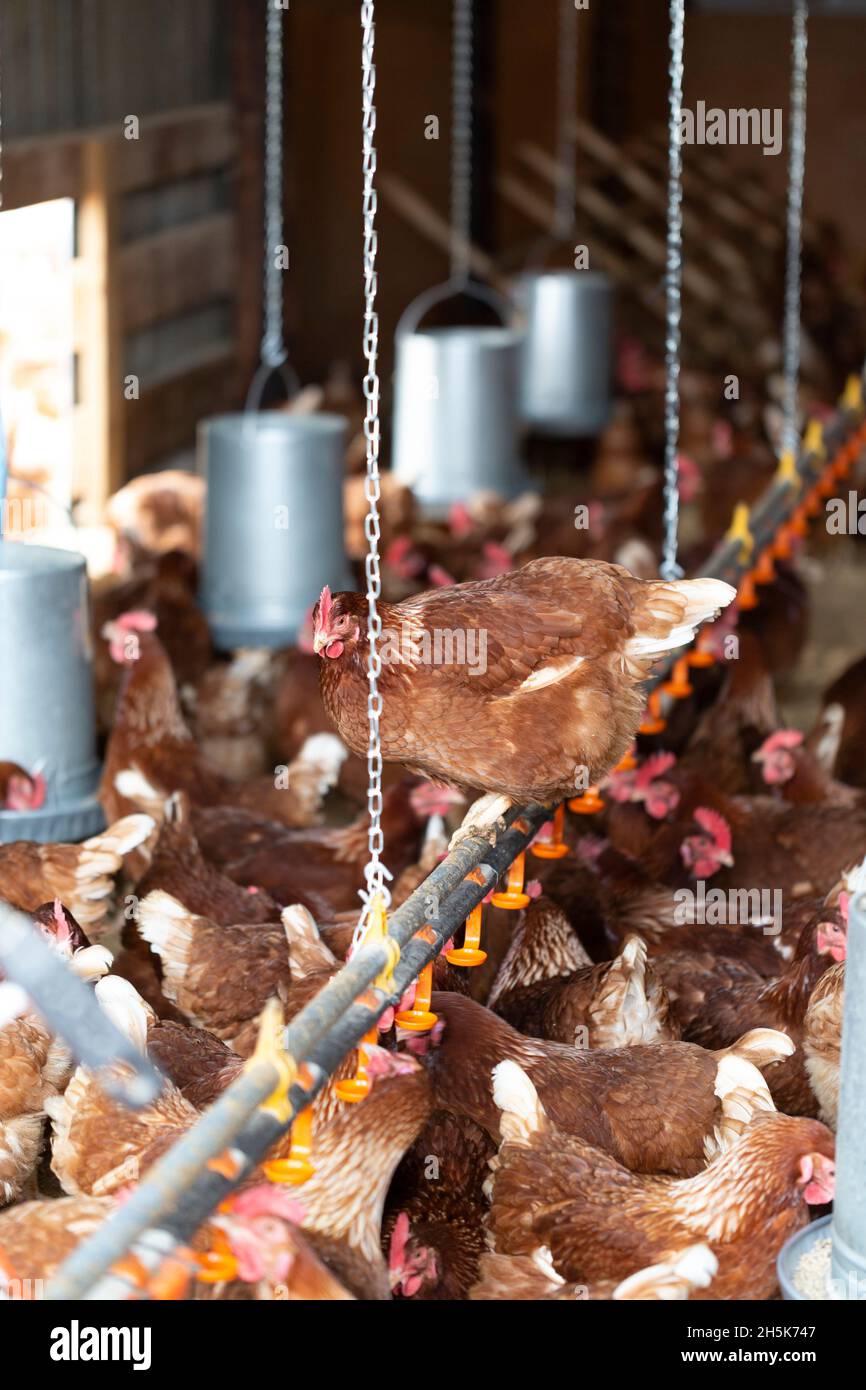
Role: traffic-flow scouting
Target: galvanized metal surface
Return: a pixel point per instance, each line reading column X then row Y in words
column 456, row 397
column 273, row 528
column 47, row 718
column 849, row 1206
column 567, row 351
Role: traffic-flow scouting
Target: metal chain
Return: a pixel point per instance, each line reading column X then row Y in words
column 673, row 286
column 793, row 262
column 461, row 139
column 566, row 114
column 273, row 348
column 375, row 872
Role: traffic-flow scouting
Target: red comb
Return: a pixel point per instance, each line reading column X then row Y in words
column 63, row 933
column 782, row 738
column 653, row 767
column 137, row 620
column 325, row 601
column 715, row 825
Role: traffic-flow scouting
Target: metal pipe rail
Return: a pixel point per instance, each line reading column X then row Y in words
column 181, row 1191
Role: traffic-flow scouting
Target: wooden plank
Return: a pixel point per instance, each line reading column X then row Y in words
column 99, row 436
column 170, row 146
column 165, row 417
column 177, row 270
column 421, row 215
column 40, row 168
column 177, row 144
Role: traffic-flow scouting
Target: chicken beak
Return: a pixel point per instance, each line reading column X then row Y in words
column 320, row 641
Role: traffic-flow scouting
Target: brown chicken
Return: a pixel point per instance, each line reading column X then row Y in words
column 600, row 1221
column 321, row 867
column 651, row 1107
column 221, row 977
column 152, row 753
column 81, row 876
column 21, row 790
column 519, row 1277
column 731, row 1009
column 99, row 1145
column 433, row 1227
column 543, row 945
column 617, row 1003
column 199, row 1063
column 822, row 1042
column 354, row 1155
column 34, row 1065
column 538, row 689
column 37, row 1236
column 838, row 736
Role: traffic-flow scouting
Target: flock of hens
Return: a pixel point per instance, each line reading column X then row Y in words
column 623, row 1102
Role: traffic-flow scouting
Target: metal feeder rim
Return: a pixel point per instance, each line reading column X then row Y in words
column 67, row 824
column 789, row 1256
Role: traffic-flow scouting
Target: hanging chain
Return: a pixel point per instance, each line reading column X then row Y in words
column 673, row 287
column 793, row 262
column 273, row 348
column 461, row 139
column 375, row 872
column 566, row 114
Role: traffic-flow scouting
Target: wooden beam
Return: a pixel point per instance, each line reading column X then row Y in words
column 40, row 168
column 177, row 270
column 165, row 417
column 99, row 434
column 170, row 146
column 421, row 215
column 176, row 145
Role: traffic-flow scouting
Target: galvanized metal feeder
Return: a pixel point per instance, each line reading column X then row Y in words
column 565, row 379
column 456, row 425
column 273, row 529
column 566, row 365
column 47, row 719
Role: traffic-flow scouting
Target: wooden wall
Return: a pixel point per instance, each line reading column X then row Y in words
column 73, row 64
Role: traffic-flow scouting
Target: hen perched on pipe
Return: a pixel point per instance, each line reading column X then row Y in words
column 526, row 687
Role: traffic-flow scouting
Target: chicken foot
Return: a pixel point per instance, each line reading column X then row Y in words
column 485, row 818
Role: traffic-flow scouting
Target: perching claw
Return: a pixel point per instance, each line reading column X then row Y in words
column 297, row 1168
column 513, row 897
column 419, row 1019
column 468, row 954
column 554, row 847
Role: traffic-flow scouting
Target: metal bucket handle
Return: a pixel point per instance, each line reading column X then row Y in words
column 415, row 311
column 263, row 373
column 536, row 256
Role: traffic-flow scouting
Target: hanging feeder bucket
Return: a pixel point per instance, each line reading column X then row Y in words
column 273, row 530
column 565, row 380
column 47, row 721
column 456, row 426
